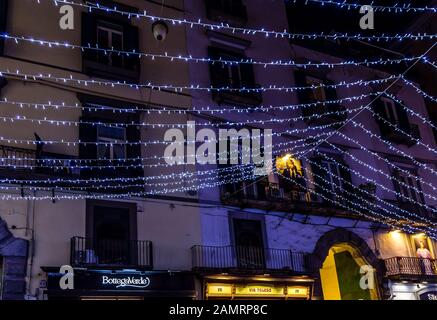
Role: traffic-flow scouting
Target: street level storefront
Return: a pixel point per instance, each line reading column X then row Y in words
column 121, row 285
column 234, row 287
column 405, row 290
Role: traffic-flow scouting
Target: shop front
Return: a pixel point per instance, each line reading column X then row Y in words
column 228, row 287
column 407, row 290
column 120, row 285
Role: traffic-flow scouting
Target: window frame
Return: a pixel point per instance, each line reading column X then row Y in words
column 112, row 141
column 338, row 177
column 408, row 192
column 310, row 80
column 394, row 118
column 111, row 29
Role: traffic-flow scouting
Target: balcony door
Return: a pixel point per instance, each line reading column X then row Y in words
column 249, row 243
column 112, row 234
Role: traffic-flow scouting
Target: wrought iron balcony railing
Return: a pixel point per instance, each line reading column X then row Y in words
column 90, row 252
column 410, row 267
column 13, row 158
column 253, row 258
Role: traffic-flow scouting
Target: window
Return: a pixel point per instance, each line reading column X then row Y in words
column 249, row 243
column 322, row 91
column 389, row 110
column 114, row 34
column 111, row 136
column 235, row 76
column 230, row 11
column 332, row 175
column 318, row 93
column 114, row 148
column 110, row 37
column 330, row 180
column 3, row 18
column 393, row 122
column 407, row 185
column 111, row 230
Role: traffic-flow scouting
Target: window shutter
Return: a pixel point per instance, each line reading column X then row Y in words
column 396, row 185
column 133, row 134
column 131, row 43
column 87, row 133
column 318, row 173
column 404, row 123
column 378, row 107
column 345, row 174
column 331, row 94
column 247, row 75
column 218, row 71
column 89, row 35
column 303, row 95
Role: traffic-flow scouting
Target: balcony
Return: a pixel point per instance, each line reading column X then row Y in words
column 247, row 258
column 411, row 267
column 92, row 253
column 243, row 98
column 18, row 162
column 389, row 133
column 331, row 114
column 228, row 11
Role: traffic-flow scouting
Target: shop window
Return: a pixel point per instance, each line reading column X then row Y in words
column 321, row 92
column 230, row 11
column 235, row 76
column 391, row 116
column 116, row 35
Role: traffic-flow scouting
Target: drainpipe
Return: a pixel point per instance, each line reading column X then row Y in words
column 31, row 246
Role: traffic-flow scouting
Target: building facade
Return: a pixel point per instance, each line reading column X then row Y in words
column 87, row 188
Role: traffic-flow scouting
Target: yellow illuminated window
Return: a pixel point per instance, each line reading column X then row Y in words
column 288, row 165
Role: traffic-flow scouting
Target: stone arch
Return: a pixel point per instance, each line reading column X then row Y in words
column 13, row 252
column 339, row 236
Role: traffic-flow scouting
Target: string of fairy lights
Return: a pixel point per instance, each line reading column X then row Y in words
column 236, row 173
column 352, row 206
column 254, row 31
column 193, row 87
column 164, row 110
column 184, row 58
column 346, row 4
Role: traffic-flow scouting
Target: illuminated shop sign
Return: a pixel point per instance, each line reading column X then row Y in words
column 119, row 281
column 429, row 296
column 256, row 290
column 127, row 282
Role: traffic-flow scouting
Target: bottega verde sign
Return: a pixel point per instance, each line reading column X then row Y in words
column 127, row 282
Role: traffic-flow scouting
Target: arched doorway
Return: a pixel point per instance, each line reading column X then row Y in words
column 340, row 275
column 336, row 261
